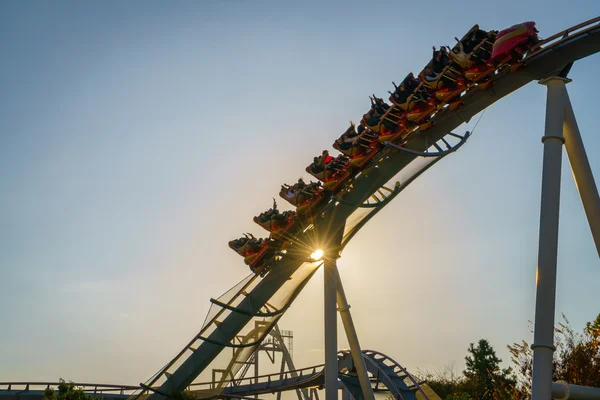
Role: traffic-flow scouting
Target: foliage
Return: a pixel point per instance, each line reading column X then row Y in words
column 446, row 383
column 576, row 359
column 484, row 378
column 185, row 395
column 66, row 391
column 481, row 380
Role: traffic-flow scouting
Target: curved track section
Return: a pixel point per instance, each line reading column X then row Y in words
column 265, row 300
column 384, row 371
column 385, row 375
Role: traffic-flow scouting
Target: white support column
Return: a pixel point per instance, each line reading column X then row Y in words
column 543, row 341
column 331, row 363
column 582, row 173
column 355, row 349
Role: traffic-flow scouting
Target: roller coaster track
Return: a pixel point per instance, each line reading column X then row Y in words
column 382, row 179
column 350, row 209
column 387, row 375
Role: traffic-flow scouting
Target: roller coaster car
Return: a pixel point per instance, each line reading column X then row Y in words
column 381, row 119
column 420, row 112
column 275, row 222
column 355, row 146
column 512, row 43
column 248, row 247
column 363, row 148
column 479, row 45
column 333, row 172
column 303, row 197
column 389, row 136
column 446, row 86
column 258, row 265
column 421, row 94
column 257, row 262
column 254, row 251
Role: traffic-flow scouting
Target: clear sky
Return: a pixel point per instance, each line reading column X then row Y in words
column 136, row 139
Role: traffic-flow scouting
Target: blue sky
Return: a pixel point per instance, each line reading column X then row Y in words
column 136, row 139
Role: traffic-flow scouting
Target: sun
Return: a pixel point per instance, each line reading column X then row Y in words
column 317, row 255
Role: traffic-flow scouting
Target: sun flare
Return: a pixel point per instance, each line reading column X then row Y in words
column 317, row 255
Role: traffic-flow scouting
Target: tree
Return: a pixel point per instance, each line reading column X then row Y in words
column 576, row 359
column 484, row 378
column 66, row 391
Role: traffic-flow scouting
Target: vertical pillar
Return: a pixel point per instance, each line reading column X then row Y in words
column 256, row 352
column 582, row 173
column 331, row 363
column 543, row 340
column 345, row 393
column 357, row 357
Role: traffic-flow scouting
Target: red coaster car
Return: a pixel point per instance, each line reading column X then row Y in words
column 303, row 196
column 278, row 223
column 512, row 43
column 255, row 251
column 247, row 245
column 359, row 145
column 331, row 171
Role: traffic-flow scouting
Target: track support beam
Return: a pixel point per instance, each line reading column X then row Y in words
column 543, row 341
column 357, row 355
column 329, row 299
column 582, row 172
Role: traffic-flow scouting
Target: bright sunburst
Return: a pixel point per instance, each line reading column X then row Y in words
column 317, row 255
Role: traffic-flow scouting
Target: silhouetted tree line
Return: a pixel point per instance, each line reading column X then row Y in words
column 576, row 361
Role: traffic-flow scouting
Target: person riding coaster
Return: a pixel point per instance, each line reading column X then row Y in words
column 379, row 104
column 257, row 259
column 327, row 166
column 247, row 245
column 410, row 91
column 381, row 117
column 355, row 142
column 331, row 171
column 301, row 193
column 441, row 76
column 266, row 215
column 275, row 221
column 472, row 53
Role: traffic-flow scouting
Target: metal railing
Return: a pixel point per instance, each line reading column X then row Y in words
column 296, row 376
column 566, row 34
column 87, row 387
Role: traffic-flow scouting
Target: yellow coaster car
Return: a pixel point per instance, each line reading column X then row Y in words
column 329, row 170
column 473, row 52
column 303, row 196
column 446, row 85
column 360, row 149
